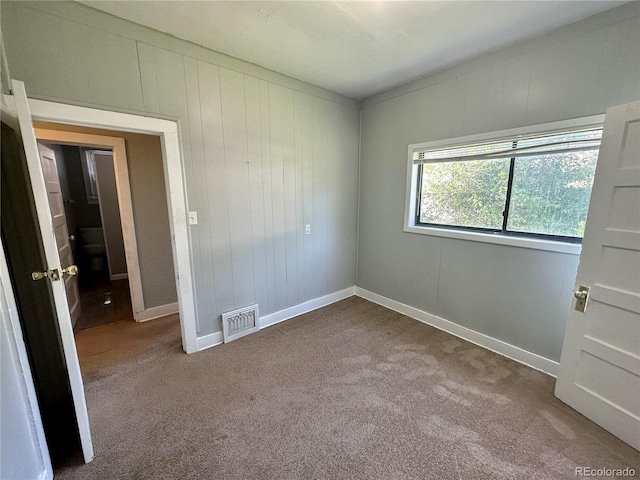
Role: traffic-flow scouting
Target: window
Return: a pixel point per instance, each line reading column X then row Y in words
column 527, row 185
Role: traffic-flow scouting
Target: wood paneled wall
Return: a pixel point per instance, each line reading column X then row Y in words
column 264, row 154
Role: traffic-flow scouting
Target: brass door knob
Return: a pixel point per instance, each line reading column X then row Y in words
column 39, row 275
column 50, row 274
column 70, row 270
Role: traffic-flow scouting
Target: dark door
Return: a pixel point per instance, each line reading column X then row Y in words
column 25, row 254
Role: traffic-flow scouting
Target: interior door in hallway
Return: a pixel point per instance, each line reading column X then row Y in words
column 599, row 372
column 56, row 204
column 53, row 268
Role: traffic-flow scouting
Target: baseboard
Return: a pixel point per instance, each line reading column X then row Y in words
column 305, row 307
column 533, row 360
column 157, row 312
column 216, row 338
column 119, row 276
column 210, row 340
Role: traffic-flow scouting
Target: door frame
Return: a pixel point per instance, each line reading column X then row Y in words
column 12, row 328
column 173, row 166
column 123, row 187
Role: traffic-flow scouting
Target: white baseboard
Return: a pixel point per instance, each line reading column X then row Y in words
column 305, row 307
column 216, row 338
column 157, row 312
column 210, row 340
column 533, row 360
column 119, row 276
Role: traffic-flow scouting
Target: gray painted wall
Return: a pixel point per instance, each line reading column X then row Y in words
column 264, row 154
column 518, row 295
column 151, row 216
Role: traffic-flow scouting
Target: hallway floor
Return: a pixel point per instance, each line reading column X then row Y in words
column 94, row 293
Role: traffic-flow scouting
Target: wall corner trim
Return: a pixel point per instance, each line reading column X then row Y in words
column 157, row 312
column 215, row 338
column 533, row 360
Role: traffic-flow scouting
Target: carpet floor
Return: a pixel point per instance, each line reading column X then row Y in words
column 349, row 391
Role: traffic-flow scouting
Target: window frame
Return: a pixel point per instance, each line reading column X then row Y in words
column 571, row 245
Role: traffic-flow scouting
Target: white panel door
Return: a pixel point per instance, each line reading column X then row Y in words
column 53, row 261
column 599, row 372
column 56, row 204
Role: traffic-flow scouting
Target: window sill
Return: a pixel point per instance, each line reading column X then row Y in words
column 498, row 239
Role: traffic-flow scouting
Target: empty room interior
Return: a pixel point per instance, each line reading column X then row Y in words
column 323, row 239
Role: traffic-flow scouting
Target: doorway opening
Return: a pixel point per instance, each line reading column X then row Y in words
column 95, row 179
column 119, row 186
column 70, row 116
column 21, row 112
column 91, row 221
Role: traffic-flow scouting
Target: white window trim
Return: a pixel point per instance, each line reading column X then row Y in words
column 410, row 225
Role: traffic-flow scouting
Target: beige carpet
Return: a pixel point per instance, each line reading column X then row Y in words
column 351, row 391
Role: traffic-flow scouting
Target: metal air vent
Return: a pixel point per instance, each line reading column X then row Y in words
column 240, row 322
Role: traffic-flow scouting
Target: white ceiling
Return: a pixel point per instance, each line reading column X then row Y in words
column 356, row 48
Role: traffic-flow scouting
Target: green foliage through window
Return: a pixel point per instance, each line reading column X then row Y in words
column 548, row 193
column 467, row 194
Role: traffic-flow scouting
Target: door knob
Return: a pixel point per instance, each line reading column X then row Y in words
column 39, row 275
column 70, row 270
column 72, row 237
column 50, row 274
column 580, row 294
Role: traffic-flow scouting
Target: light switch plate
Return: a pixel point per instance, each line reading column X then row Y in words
column 307, row 229
column 193, row 218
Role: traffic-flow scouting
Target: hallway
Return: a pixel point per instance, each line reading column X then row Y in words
column 103, row 302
